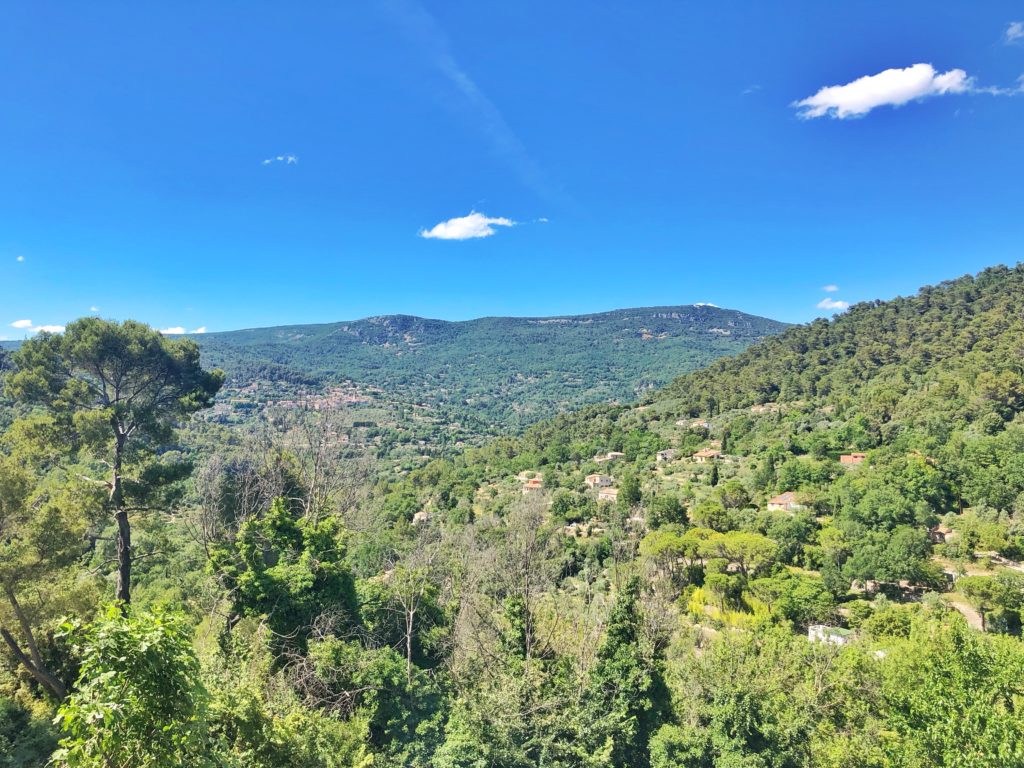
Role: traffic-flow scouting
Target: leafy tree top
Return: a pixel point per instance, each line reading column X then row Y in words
column 127, row 371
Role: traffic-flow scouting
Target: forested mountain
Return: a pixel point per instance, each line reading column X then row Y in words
column 804, row 555
column 862, row 474
column 504, row 371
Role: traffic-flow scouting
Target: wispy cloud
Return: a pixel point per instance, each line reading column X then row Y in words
column 200, row 329
column 893, row 87
column 1014, row 32
column 750, row 89
column 468, row 227
column 286, row 159
column 28, row 326
column 834, row 304
column 424, row 32
column 705, row 304
column 20, row 258
column 94, row 309
column 997, row 90
column 830, row 288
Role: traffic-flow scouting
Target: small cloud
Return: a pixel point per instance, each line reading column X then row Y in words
column 26, row 325
column 542, row 220
column 1014, row 32
column 200, row 329
column 705, row 304
column 750, row 89
column 20, row 258
column 468, row 227
column 94, row 309
column 835, row 304
column 176, row 330
column 830, row 288
column 286, row 159
column 893, row 87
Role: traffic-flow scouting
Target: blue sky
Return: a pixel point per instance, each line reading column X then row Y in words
column 619, row 154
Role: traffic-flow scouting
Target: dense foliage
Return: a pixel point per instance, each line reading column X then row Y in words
column 807, row 555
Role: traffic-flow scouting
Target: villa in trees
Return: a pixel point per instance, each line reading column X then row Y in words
column 708, row 454
column 608, row 494
column 785, row 502
column 533, row 485
column 822, row 633
column 852, row 459
column 598, row 481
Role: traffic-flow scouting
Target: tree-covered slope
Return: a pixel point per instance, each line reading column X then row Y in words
column 505, row 370
column 929, row 389
column 843, row 502
column 965, row 327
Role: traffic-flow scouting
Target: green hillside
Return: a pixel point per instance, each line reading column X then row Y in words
column 504, row 371
column 896, row 433
column 808, row 554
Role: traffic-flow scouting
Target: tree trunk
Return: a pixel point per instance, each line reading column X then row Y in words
column 124, row 559
column 124, row 531
column 409, row 615
column 34, row 665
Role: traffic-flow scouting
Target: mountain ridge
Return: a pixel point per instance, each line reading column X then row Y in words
column 507, row 370
column 674, row 308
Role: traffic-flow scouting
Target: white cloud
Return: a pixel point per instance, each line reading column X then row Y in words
column 705, row 304
column 830, row 303
column 466, row 227
column 830, row 288
column 286, row 159
column 26, row 325
column 20, row 258
column 179, row 330
column 893, row 87
column 94, row 309
column 1014, row 32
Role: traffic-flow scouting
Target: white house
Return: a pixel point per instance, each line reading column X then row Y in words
column 822, row 633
